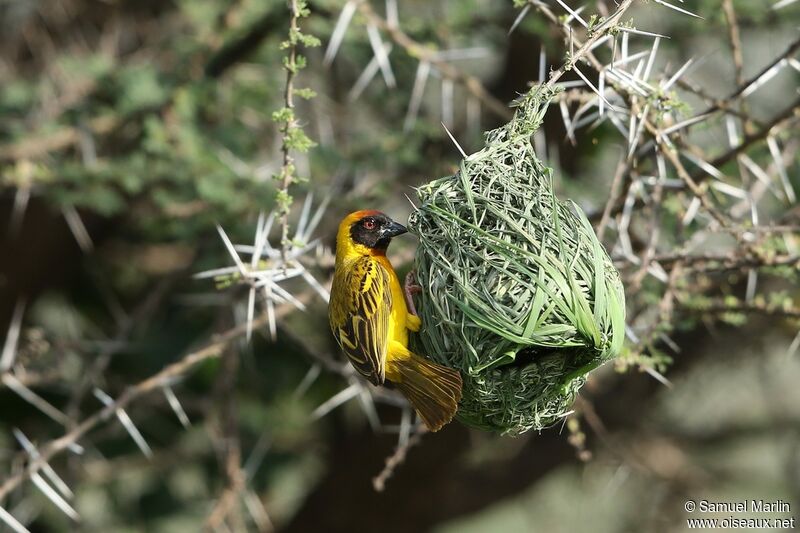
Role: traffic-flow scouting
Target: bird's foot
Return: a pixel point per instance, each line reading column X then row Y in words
column 411, row 287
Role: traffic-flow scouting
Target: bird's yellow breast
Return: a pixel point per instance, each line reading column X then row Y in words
column 397, row 322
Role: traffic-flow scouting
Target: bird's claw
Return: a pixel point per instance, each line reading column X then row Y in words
column 411, row 287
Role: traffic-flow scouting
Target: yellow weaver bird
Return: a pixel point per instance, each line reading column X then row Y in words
column 370, row 319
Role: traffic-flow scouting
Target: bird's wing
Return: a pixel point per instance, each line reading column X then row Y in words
column 361, row 302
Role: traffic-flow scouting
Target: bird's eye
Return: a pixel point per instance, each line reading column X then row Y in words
column 369, row 224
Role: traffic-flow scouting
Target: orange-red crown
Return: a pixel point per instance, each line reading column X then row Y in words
column 355, row 216
column 358, row 215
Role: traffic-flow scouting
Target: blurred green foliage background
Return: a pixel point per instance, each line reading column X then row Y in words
column 128, row 130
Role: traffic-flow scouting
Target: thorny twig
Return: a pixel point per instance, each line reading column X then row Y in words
column 584, row 49
column 230, row 451
column 211, row 350
column 287, row 168
column 396, row 459
column 691, row 180
column 415, row 49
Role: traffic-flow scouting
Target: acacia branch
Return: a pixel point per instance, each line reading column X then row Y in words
column 720, row 308
column 779, row 121
column 790, row 51
column 584, row 49
column 287, row 169
column 211, row 350
column 423, row 53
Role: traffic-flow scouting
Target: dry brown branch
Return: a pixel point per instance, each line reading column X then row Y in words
column 734, row 39
column 706, row 262
column 226, row 507
column 778, row 122
column 790, row 51
column 415, row 49
column 584, row 49
column 748, row 308
column 124, row 330
column 211, row 350
column 396, row 459
column 34, row 147
column 721, row 104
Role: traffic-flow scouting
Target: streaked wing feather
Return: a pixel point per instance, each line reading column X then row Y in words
column 361, row 302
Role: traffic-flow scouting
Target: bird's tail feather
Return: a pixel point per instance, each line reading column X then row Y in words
column 433, row 390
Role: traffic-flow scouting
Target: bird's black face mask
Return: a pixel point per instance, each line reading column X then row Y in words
column 376, row 231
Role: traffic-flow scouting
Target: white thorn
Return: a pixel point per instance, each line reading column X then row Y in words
column 232, row 251
column 519, row 18
column 640, row 32
column 78, row 229
column 366, row 76
column 316, row 285
column 678, row 9
column 368, row 406
column 34, row 399
column 273, row 327
column 176, row 406
column 62, row 487
column 456, row 54
column 764, row 78
column 392, row 15
column 592, row 87
column 310, row 377
column 705, row 166
column 21, row 199
column 126, row 422
column 257, row 511
column 573, row 14
column 658, row 376
column 632, row 336
column 775, row 151
column 379, row 49
column 335, row 401
column 258, row 242
column 542, row 64
column 339, row 31
column 675, row 77
column 685, row 123
column 794, row 346
column 752, row 282
column 12, row 522
column 733, row 134
column 251, row 307
column 54, row 496
column 651, row 60
column 411, row 202
column 447, row 101
column 12, row 337
column 423, row 70
column 454, row 141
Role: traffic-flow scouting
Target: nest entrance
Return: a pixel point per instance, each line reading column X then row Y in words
column 574, row 357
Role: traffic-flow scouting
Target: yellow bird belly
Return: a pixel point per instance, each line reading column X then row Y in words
column 397, row 347
column 397, row 324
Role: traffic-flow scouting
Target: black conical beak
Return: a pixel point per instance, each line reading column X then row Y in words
column 392, row 230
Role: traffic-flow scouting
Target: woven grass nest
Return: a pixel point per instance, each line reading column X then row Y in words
column 518, row 293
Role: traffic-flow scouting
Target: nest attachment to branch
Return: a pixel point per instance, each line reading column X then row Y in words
column 518, row 293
